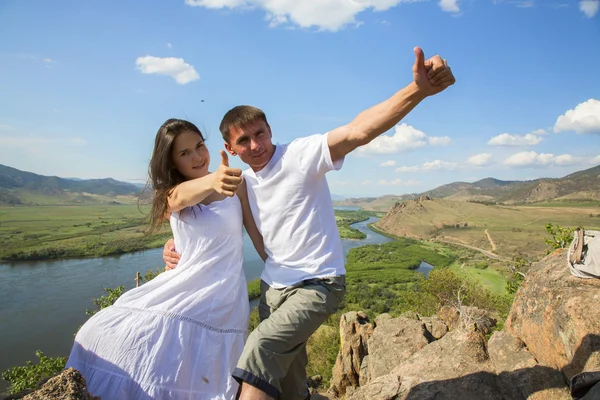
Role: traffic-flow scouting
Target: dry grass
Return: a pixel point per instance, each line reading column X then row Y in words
column 516, row 230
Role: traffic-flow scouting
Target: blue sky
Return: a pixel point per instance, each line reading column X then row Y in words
column 85, row 85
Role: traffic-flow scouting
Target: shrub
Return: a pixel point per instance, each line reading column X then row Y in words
column 480, row 264
column 107, row 300
column 561, row 237
column 151, row 274
column 27, row 377
column 518, row 275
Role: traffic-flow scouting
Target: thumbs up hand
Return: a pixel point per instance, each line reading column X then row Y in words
column 226, row 179
column 431, row 76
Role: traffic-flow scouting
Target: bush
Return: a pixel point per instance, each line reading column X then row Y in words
column 480, row 264
column 452, row 290
column 108, row 300
column 561, row 237
column 518, row 269
column 27, row 377
column 151, row 274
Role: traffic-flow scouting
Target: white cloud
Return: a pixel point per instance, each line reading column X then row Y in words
column 533, row 159
column 176, row 68
column 596, row 160
column 169, row 45
column 506, row 139
column 398, row 182
column 437, row 165
column 367, row 182
column 328, row 15
column 49, row 61
column 480, row 160
column 539, row 132
column 276, row 20
column 589, row 7
column 389, row 163
column 584, row 118
column 440, row 141
column 567, row 159
column 405, row 138
column 449, row 6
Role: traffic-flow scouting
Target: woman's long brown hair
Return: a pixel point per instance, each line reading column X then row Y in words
column 163, row 176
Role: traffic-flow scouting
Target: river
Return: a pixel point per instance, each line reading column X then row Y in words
column 44, row 302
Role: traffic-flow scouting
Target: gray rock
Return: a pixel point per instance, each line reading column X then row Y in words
column 435, row 326
column 393, row 342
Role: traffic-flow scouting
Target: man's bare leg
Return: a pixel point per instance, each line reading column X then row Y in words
column 250, row 392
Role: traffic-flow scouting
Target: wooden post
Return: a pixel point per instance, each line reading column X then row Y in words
column 138, row 278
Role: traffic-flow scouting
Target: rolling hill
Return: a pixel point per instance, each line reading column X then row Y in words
column 25, row 188
column 579, row 186
column 507, row 231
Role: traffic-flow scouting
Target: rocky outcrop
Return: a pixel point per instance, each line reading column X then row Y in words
column 355, row 331
column 68, row 385
column 555, row 310
column 393, row 342
column 552, row 334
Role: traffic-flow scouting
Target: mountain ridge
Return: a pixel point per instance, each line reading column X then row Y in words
column 22, row 187
column 580, row 185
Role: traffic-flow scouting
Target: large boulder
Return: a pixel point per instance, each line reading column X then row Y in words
column 557, row 317
column 454, row 367
column 552, row 334
column 520, row 374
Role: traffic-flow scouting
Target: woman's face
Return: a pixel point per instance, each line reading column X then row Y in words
column 190, row 155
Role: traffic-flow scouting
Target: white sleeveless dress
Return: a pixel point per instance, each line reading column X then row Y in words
column 180, row 335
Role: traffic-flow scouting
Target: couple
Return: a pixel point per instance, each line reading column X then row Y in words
column 182, row 334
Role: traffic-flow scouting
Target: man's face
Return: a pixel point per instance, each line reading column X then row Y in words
column 252, row 143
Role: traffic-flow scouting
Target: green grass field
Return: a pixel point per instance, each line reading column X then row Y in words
column 489, row 278
column 39, row 232
column 67, row 231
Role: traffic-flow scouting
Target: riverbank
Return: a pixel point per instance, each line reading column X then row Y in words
column 345, row 218
column 44, row 302
column 66, row 232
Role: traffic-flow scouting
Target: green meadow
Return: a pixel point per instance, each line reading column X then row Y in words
column 75, row 231
column 44, row 232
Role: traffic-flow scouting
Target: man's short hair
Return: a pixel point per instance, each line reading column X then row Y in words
column 240, row 117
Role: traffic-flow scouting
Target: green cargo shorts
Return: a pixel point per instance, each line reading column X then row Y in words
column 274, row 357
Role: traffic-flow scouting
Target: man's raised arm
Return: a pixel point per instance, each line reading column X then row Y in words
column 430, row 78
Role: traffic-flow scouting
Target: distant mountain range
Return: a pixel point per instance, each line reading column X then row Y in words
column 582, row 185
column 21, row 187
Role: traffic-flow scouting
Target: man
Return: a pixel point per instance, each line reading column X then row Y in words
column 303, row 281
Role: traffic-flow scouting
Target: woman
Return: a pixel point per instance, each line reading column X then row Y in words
column 180, row 335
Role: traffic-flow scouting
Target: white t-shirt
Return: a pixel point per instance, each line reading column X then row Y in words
column 291, row 205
